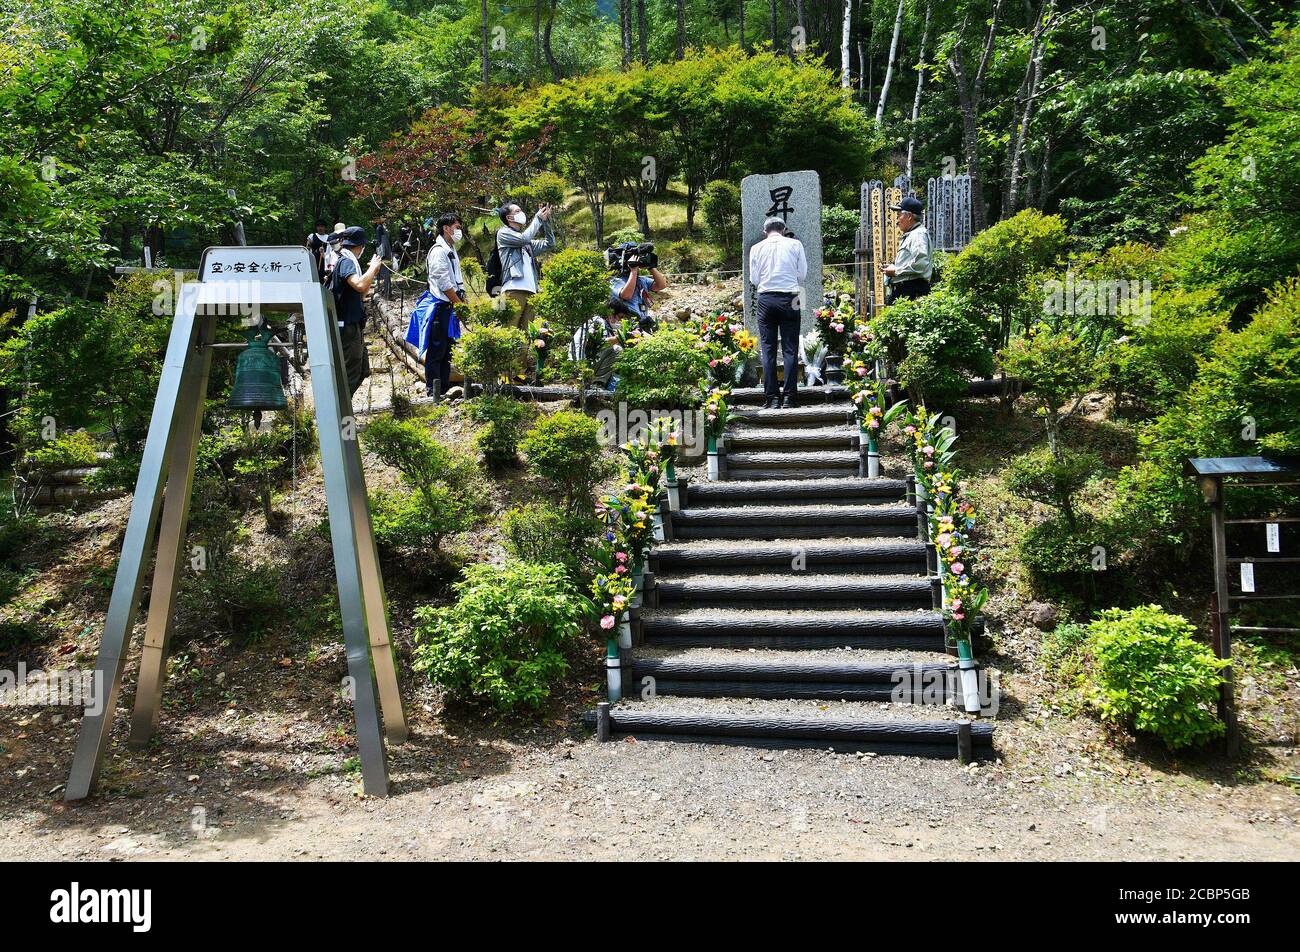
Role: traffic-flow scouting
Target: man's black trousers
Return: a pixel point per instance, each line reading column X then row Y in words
column 777, row 314
column 437, row 354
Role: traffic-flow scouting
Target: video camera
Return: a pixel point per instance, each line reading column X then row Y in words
column 623, row 258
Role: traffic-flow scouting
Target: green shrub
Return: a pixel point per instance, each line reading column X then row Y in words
column 241, row 597
column 413, row 451
column 543, row 188
column 417, row 520
column 687, row 257
column 1059, row 547
column 998, row 271
column 1062, row 654
column 497, row 311
column 1042, row 477
column 541, row 532
column 65, row 451
column 1145, row 672
column 839, row 233
column 935, row 343
column 575, row 287
column 1056, row 367
column 1155, row 362
column 503, row 422
column 623, row 236
column 663, row 370
column 489, row 353
column 504, row 641
column 720, row 208
column 564, row 448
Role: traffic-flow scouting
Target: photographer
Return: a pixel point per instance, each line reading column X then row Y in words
column 518, row 248
column 630, row 288
column 350, row 284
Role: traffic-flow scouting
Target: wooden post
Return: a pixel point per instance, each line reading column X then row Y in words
column 602, row 721
column 965, row 750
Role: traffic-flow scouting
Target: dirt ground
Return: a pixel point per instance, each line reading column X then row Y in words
column 255, row 759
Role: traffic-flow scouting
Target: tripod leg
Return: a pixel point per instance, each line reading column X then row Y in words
column 171, row 543
column 97, row 722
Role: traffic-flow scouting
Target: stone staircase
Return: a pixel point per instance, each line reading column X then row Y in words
column 791, row 594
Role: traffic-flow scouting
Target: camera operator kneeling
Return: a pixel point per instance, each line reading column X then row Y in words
column 630, row 289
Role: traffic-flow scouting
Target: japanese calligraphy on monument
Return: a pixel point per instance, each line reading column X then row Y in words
column 796, row 198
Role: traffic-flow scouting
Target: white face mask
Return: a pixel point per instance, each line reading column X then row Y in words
column 520, row 218
column 456, row 236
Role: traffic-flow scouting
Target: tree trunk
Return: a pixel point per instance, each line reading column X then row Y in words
column 642, row 41
column 742, row 24
column 681, row 29
column 771, row 5
column 916, row 100
column 863, row 69
column 845, row 70
column 970, row 91
column 537, row 35
column 483, row 35
column 625, row 30
column 889, row 68
column 1029, row 92
column 546, row 45
column 803, row 27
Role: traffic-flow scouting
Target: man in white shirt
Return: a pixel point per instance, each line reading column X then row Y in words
column 447, row 285
column 909, row 275
column 777, row 269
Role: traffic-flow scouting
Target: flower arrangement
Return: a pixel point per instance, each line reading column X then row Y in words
column 951, row 522
column 612, row 593
column 929, row 444
column 651, row 456
column 715, row 412
column 834, row 319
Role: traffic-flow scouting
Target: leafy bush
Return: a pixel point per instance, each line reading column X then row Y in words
column 997, row 271
column 663, row 370
column 1145, row 672
column 564, row 449
column 541, row 532
column 1062, row 652
column 488, row 353
column 493, row 312
column 542, row 188
column 720, row 208
column 935, row 344
column 503, row 422
column 1045, row 478
column 65, row 451
column 412, row 450
column 1059, row 549
column 575, row 286
column 504, row 641
column 1056, row 366
column 839, row 233
column 242, row 597
column 1156, row 361
column 687, row 257
column 417, row 520
column 623, row 236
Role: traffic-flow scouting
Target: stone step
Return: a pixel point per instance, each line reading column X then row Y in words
column 828, row 676
column 809, row 438
column 806, row 396
column 794, row 522
column 892, row 555
column 794, row 492
column 825, row 463
column 792, row 590
column 797, row 629
column 822, row 414
column 844, row 731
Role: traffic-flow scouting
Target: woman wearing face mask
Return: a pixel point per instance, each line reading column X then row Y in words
column 519, row 247
column 447, row 286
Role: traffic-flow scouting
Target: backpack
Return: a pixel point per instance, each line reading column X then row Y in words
column 494, row 276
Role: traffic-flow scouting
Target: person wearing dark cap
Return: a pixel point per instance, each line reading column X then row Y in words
column 909, row 275
column 777, row 269
column 350, row 285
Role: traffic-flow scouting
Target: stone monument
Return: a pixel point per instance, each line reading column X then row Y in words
column 795, row 197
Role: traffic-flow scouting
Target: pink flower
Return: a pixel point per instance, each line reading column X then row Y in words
column 862, row 371
column 621, row 569
column 873, row 424
column 958, row 616
column 944, row 540
column 713, row 363
column 958, row 568
column 929, row 464
column 928, row 450
column 909, row 429
column 607, row 622
column 955, row 551
column 621, row 556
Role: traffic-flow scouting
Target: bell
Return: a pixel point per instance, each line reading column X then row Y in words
column 257, row 376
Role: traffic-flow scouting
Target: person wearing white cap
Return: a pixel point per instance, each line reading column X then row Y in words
column 777, row 269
